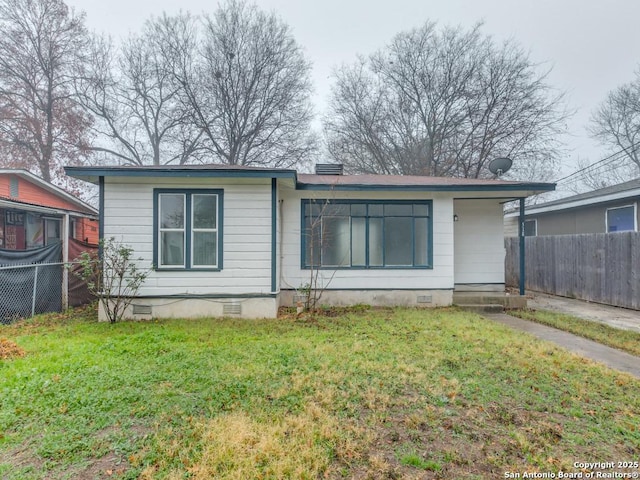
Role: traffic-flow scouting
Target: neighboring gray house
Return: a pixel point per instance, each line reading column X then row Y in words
column 610, row 209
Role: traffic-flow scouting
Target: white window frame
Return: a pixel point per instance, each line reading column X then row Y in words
column 194, row 230
column 635, row 217
column 163, row 230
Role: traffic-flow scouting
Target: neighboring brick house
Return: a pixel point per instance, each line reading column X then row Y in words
column 33, row 213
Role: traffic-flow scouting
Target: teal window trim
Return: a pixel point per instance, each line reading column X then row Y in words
column 101, row 217
column 367, row 216
column 274, row 232
column 188, row 228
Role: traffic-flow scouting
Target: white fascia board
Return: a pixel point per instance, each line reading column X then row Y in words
column 535, row 210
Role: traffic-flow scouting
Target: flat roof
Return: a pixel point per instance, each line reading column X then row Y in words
column 304, row 181
column 91, row 174
column 414, row 182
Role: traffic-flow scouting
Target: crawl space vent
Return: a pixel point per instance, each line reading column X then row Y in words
column 231, row 309
column 142, row 309
column 424, row 299
column 13, row 187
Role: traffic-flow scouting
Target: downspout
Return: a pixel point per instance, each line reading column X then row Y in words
column 100, row 215
column 521, row 236
column 280, row 248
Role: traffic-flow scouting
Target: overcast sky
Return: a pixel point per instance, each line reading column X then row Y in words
column 592, row 46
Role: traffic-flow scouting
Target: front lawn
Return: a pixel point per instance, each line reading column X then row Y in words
column 367, row 394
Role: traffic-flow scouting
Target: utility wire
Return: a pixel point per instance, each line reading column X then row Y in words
column 611, row 158
column 611, row 165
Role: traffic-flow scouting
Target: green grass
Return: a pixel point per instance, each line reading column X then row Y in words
column 626, row 340
column 367, row 394
column 413, row 459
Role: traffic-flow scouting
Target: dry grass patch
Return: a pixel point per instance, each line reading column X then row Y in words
column 9, row 349
column 239, row 446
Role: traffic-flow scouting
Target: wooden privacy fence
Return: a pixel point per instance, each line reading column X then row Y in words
column 599, row 267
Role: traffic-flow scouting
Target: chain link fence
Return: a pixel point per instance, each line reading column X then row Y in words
column 37, row 281
column 26, row 290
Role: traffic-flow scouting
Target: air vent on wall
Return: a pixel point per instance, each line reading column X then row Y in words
column 232, row 309
column 329, row 168
column 141, row 309
column 14, row 186
column 424, row 299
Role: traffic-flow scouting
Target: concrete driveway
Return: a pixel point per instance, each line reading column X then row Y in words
column 613, row 316
column 611, row 357
column 616, row 317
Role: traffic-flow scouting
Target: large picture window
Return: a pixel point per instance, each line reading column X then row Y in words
column 188, row 226
column 366, row 234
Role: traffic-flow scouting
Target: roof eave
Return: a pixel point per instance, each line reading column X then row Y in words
column 527, row 188
column 55, row 190
column 92, row 174
column 30, row 207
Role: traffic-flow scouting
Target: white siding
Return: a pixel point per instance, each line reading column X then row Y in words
column 247, row 234
column 439, row 277
column 510, row 226
column 479, row 242
column 479, row 247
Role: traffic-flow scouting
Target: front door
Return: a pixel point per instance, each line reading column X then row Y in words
column 478, row 240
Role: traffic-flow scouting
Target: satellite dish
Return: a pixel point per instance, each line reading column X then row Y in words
column 499, row 166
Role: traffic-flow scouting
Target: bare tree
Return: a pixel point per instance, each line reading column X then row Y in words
column 319, row 237
column 444, row 103
column 609, row 171
column 140, row 115
column 616, row 123
column 40, row 46
column 249, row 87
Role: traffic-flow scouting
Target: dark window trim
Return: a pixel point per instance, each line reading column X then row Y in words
column 303, row 242
column 274, row 232
column 188, row 192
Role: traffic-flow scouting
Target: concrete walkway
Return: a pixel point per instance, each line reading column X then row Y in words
column 611, row 357
column 613, row 316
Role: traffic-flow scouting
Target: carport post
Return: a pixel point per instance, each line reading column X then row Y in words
column 65, row 261
column 521, row 235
